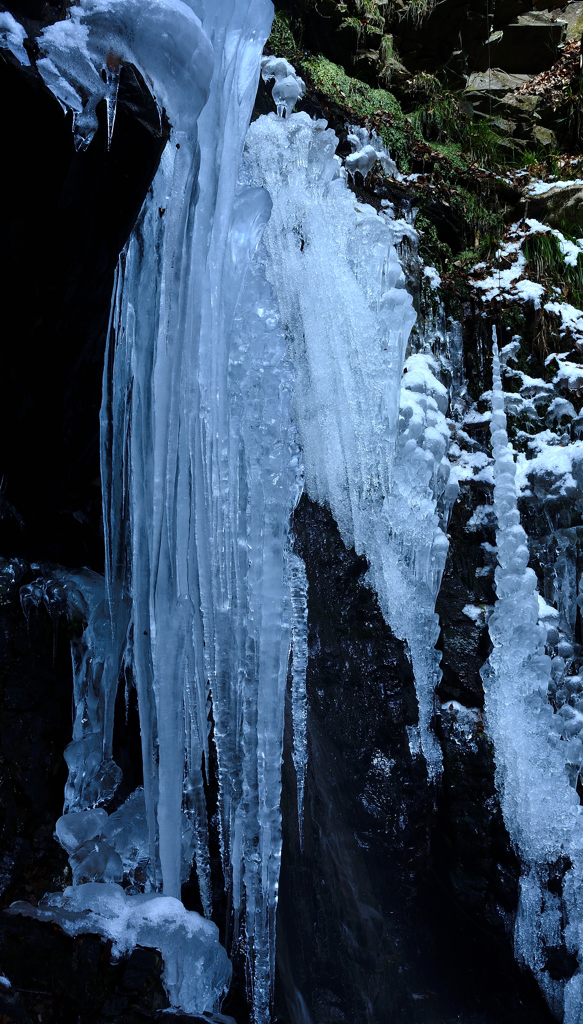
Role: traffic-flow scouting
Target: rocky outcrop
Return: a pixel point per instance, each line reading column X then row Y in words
column 560, row 208
column 448, row 38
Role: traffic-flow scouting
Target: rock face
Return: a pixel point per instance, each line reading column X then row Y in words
column 447, row 38
column 62, row 233
column 398, row 909
column 528, row 44
column 558, row 207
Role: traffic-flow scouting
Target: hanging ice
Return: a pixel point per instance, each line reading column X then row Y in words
column 536, row 748
column 162, row 38
column 201, row 471
column 299, row 600
column 197, row 403
column 200, row 468
column 341, row 291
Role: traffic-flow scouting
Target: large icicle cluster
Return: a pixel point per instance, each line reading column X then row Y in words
column 537, row 755
column 200, row 477
column 197, row 413
column 82, row 56
column 203, row 394
column 336, row 272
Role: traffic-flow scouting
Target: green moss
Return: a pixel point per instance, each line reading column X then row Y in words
column 397, row 144
column 453, row 152
column 332, row 80
column 432, row 250
column 281, row 41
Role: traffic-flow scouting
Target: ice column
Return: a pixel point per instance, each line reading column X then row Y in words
column 196, row 416
column 199, row 460
column 336, row 272
column 532, row 744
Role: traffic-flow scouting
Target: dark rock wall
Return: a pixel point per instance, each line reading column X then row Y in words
column 400, row 907
column 65, row 217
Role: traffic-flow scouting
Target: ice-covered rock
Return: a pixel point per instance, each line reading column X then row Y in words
column 341, row 292
column 537, row 749
column 164, row 39
column 197, row 971
column 12, row 36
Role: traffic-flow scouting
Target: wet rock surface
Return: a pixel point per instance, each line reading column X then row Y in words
column 401, row 905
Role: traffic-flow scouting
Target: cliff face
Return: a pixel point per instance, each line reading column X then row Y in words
column 402, row 905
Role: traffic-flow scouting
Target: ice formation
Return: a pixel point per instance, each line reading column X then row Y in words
column 367, row 148
column 164, row 39
column 288, row 87
column 206, row 394
column 197, row 394
column 200, row 476
column 299, row 599
column 12, row 36
column 197, row 970
column 538, row 749
column 373, row 452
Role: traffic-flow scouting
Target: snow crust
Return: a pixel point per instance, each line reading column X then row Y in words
column 538, row 188
column 509, row 280
column 432, row 276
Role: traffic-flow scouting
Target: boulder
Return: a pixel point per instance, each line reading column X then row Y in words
column 527, row 45
column 494, row 80
column 559, row 207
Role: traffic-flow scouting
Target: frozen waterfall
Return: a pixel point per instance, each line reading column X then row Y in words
column 373, row 451
column 257, row 344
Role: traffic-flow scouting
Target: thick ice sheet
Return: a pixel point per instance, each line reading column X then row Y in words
column 373, row 453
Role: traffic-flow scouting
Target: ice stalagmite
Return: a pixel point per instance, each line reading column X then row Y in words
column 533, row 747
column 335, row 270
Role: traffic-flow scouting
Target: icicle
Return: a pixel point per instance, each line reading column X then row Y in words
column 532, row 742
column 299, row 600
column 112, row 70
